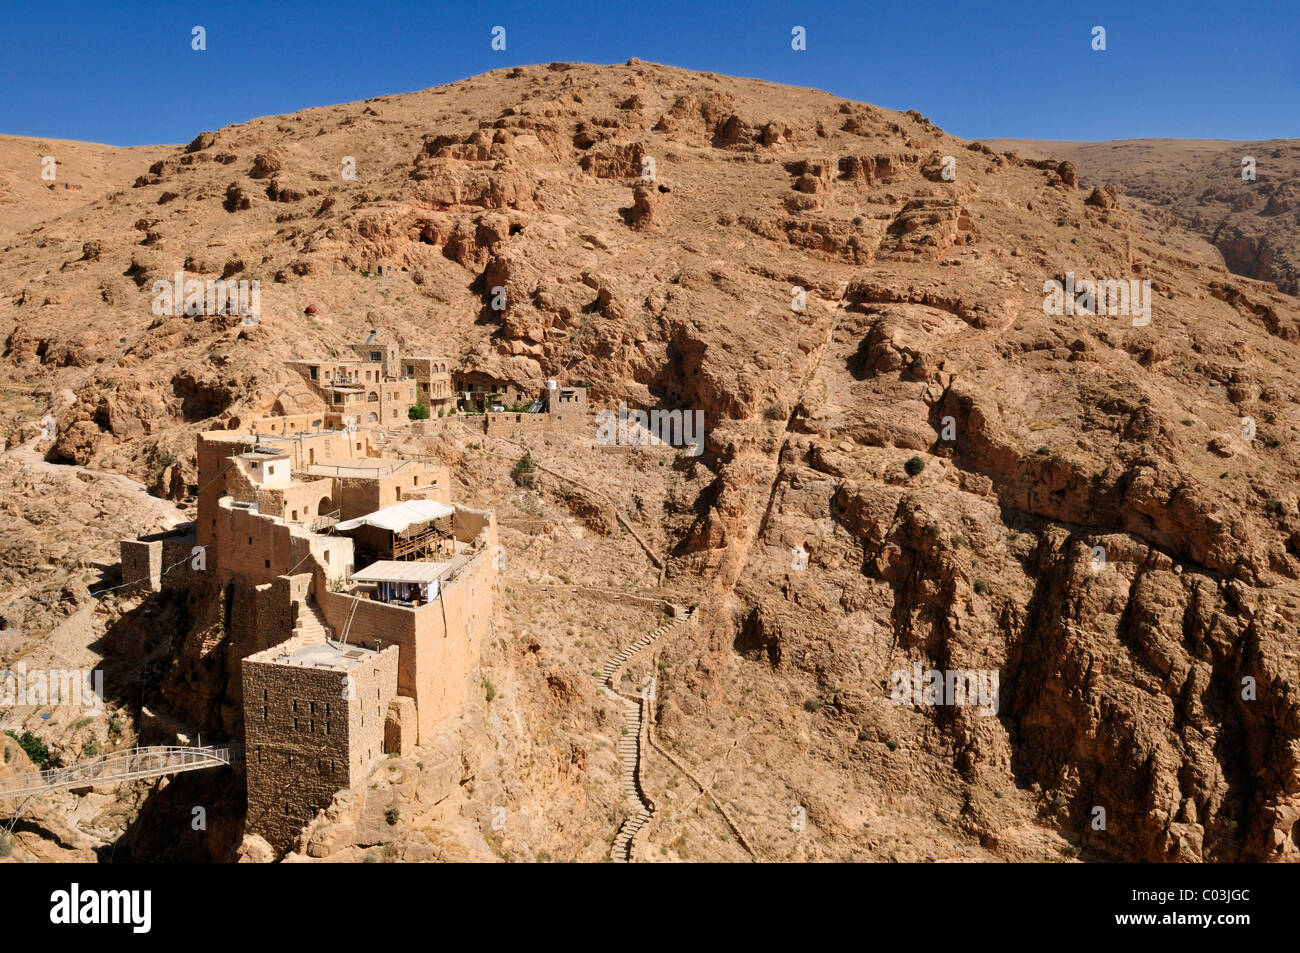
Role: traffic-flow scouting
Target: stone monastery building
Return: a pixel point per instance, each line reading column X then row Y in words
column 361, row 595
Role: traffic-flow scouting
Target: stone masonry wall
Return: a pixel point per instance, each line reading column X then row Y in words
column 309, row 733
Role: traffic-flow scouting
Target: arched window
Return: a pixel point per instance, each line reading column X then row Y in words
column 373, row 398
column 374, row 419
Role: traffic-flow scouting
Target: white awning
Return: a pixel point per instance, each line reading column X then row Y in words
column 389, row 570
column 396, row 518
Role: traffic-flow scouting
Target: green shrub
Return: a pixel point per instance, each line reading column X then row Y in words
column 523, row 468
column 914, row 466
column 90, row 748
column 36, row 749
column 489, row 691
column 812, row 704
column 981, row 586
column 418, row 411
column 391, row 815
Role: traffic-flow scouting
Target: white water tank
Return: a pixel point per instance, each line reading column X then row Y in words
column 551, row 383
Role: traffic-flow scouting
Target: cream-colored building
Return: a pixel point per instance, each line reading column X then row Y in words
column 340, row 568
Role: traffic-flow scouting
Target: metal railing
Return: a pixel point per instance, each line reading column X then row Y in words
column 133, row 764
column 324, row 521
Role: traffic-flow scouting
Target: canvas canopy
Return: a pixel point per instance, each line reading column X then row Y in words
column 394, row 571
column 398, row 517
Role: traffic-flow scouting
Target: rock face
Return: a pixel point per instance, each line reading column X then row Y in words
column 911, row 460
column 1242, row 197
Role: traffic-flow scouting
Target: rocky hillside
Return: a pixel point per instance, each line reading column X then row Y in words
column 1254, row 223
column 1074, row 502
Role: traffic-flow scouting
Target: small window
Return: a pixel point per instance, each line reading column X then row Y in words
column 264, row 698
column 268, row 563
column 250, row 541
column 286, row 808
column 259, row 754
column 266, row 713
column 295, row 725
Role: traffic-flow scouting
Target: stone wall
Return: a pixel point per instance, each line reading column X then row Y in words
column 219, row 476
column 256, row 548
column 141, row 565
column 309, row 733
column 297, row 423
column 358, row 496
column 440, row 643
column 162, row 561
column 516, row 425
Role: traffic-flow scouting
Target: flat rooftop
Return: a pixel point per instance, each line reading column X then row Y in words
column 265, row 453
column 359, row 467
column 330, row 656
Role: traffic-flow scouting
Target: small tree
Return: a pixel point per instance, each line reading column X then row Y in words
column 36, row 749
column 418, row 411
column 523, row 469
column 914, row 466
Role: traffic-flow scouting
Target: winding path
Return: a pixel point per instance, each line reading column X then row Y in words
column 635, row 741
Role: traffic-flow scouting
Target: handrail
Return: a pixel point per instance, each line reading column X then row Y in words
column 134, row 763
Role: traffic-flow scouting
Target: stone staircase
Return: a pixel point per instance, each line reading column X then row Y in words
column 629, row 755
column 633, row 743
column 614, row 664
column 310, row 626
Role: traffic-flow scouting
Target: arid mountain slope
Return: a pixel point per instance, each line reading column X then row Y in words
column 1074, row 501
column 1254, row 223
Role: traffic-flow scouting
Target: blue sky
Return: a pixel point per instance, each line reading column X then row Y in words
column 125, row 74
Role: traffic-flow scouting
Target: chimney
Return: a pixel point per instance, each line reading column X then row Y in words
column 374, row 333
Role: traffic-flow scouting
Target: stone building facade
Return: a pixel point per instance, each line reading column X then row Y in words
column 300, row 632
column 314, row 719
